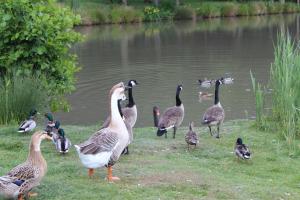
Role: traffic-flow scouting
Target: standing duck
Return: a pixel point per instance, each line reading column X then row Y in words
column 241, row 150
column 214, row 115
column 129, row 113
column 172, row 117
column 105, row 146
column 62, row 143
column 23, row 178
column 29, row 124
column 191, row 136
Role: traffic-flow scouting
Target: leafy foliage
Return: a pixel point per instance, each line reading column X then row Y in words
column 35, row 38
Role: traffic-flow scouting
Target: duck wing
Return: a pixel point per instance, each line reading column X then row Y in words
column 102, row 141
column 23, row 172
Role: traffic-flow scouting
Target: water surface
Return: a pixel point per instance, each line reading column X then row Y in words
column 161, row 56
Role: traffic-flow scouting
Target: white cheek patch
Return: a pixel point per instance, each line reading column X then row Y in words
column 132, row 83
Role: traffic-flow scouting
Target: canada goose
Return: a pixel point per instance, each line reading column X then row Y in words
column 214, row 115
column 105, row 146
column 205, row 83
column 191, row 136
column 227, row 80
column 29, row 124
column 241, row 150
column 156, row 115
column 172, row 117
column 20, row 180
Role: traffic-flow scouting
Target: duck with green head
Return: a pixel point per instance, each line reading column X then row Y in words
column 29, row 124
column 62, row 143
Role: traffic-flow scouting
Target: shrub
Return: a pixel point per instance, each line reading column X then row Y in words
column 208, row 10
column 243, row 10
column 257, row 8
column 125, row 14
column 167, row 5
column 35, row 37
column 151, row 13
column 229, row 10
column 184, row 12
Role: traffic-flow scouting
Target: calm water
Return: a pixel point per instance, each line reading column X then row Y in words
column 160, row 56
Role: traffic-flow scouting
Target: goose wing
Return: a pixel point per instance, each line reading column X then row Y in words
column 130, row 115
column 170, row 117
column 213, row 114
column 102, row 141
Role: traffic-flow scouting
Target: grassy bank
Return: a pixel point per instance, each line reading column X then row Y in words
column 106, row 13
column 160, row 168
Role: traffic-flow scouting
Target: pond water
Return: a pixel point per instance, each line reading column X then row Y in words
column 160, row 56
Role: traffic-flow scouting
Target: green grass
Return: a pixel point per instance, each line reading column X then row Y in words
column 159, row 168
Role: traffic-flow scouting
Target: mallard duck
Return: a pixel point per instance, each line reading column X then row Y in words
column 205, row 83
column 23, row 178
column 62, row 143
column 105, row 146
column 129, row 113
column 50, row 120
column 214, row 115
column 172, row 117
column 227, row 80
column 241, row 150
column 29, row 124
column 191, row 136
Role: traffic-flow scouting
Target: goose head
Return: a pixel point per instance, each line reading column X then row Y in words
column 219, row 82
column 117, row 91
column 179, row 88
column 132, row 83
column 37, row 138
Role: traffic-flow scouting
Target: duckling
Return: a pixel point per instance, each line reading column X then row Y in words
column 172, row 117
column 105, row 146
column 62, row 143
column 29, row 124
column 227, row 80
column 241, row 150
column 23, row 178
column 214, row 115
column 205, row 83
column 191, row 137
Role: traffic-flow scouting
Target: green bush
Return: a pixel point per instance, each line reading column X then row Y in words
column 243, row 10
column 18, row 95
column 167, row 5
column 208, row 10
column 152, row 13
column 229, row 10
column 257, row 8
column 289, row 8
column 125, row 14
column 184, row 12
column 35, row 38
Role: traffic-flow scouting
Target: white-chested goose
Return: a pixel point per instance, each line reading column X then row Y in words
column 172, row 117
column 105, row 146
column 214, row 115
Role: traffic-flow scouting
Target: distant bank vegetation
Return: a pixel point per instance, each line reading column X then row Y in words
column 115, row 12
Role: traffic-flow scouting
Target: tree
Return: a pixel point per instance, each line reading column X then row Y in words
column 35, row 38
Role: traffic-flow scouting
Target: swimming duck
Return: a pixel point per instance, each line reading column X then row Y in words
column 214, row 115
column 191, row 136
column 205, row 83
column 227, row 80
column 62, row 143
column 129, row 113
column 172, row 117
column 105, row 146
column 241, row 150
column 23, row 178
column 29, row 124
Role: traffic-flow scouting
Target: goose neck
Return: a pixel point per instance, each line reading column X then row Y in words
column 131, row 102
column 217, row 94
column 178, row 101
column 114, row 111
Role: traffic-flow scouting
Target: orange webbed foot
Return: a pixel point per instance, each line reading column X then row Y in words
column 32, row 194
column 91, row 172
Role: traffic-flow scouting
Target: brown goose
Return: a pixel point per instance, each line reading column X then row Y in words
column 105, row 146
column 129, row 113
column 172, row 117
column 214, row 115
column 191, row 136
column 20, row 180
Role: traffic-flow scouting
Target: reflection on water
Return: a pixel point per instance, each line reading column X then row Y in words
column 160, row 56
